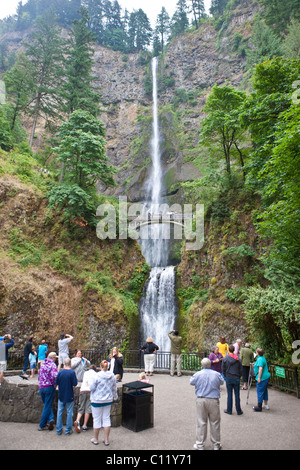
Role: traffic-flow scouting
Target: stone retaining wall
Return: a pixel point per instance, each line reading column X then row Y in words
column 20, row 402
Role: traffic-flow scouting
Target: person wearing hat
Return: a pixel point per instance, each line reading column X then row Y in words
column 4, row 347
column 176, row 343
column 149, row 349
column 47, row 377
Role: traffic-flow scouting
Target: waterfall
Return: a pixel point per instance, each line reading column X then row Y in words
column 157, row 306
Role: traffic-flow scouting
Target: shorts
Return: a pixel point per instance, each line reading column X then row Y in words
column 84, row 405
column 101, row 417
column 33, row 365
column 3, row 366
column 62, row 357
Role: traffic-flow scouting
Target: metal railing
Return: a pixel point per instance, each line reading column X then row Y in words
column 287, row 380
column 132, row 359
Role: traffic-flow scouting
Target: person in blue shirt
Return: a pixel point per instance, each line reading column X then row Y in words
column 262, row 376
column 207, row 384
column 66, row 381
column 42, row 349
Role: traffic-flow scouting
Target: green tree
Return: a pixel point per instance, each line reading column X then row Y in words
column 291, row 43
column 163, row 27
column 180, row 19
column 82, row 151
column 272, row 118
column 278, row 14
column 280, row 219
column 266, row 44
column 198, row 10
column 45, row 52
column 6, row 138
column 222, row 124
column 19, row 82
column 218, row 7
column 78, row 91
column 139, row 30
column 272, row 87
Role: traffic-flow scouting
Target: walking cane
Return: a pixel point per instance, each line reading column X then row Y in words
column 251, row 372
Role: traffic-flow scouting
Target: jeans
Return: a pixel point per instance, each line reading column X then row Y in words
column 233, row 385
column 262, row 391
column 59, row 420
column 26, row 364
column 47, row 396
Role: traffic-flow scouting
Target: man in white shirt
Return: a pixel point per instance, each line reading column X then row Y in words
column 207, row 384
column 63, row 349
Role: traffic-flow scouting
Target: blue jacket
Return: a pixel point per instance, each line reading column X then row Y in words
column 8, row 346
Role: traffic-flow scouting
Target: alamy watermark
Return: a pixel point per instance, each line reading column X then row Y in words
column 2, row 92
column 296, row 94
column 296, row 354
column 133, row 221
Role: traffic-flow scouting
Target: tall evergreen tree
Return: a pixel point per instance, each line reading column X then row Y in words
column 163, row 26
column 45, row 51
column 217, row 7
column 19, row 82
column 198, row 10
column 139, row 30
column 78, row 92
column 180, row 19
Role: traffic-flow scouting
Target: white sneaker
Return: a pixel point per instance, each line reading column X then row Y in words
column 266, row 407
column 197, row 447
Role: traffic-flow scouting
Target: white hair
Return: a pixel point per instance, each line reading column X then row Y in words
column 206, row 363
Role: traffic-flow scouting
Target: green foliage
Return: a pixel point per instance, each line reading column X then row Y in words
column 45, row 51
column 187, row 296
column 291, row 43
column 235, row 254
column 273, row 169
column 130, row 306
column 82, row 151
column 138, row 278
column 6, row 138
column 266, row 44
column 278, row 14
column 237, row 294
column 222, row 124
column 77, row 90
column 273, row 316
column 77, row 204
column 23, row 250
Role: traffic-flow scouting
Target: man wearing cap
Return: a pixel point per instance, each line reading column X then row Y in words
column 176, row 342
column 47, row 377
column 4, row 347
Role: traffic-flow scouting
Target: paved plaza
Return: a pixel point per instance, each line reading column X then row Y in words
column 175, row 423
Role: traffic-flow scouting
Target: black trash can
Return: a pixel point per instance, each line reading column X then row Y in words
column 137, row 406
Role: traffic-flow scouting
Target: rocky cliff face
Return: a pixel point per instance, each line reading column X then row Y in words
column 50, row 283
column 193, row 63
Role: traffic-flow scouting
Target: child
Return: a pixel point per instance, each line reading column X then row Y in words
column 32, row 360
column 143, row 378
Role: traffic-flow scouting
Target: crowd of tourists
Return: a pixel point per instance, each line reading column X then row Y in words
column 98, row 390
